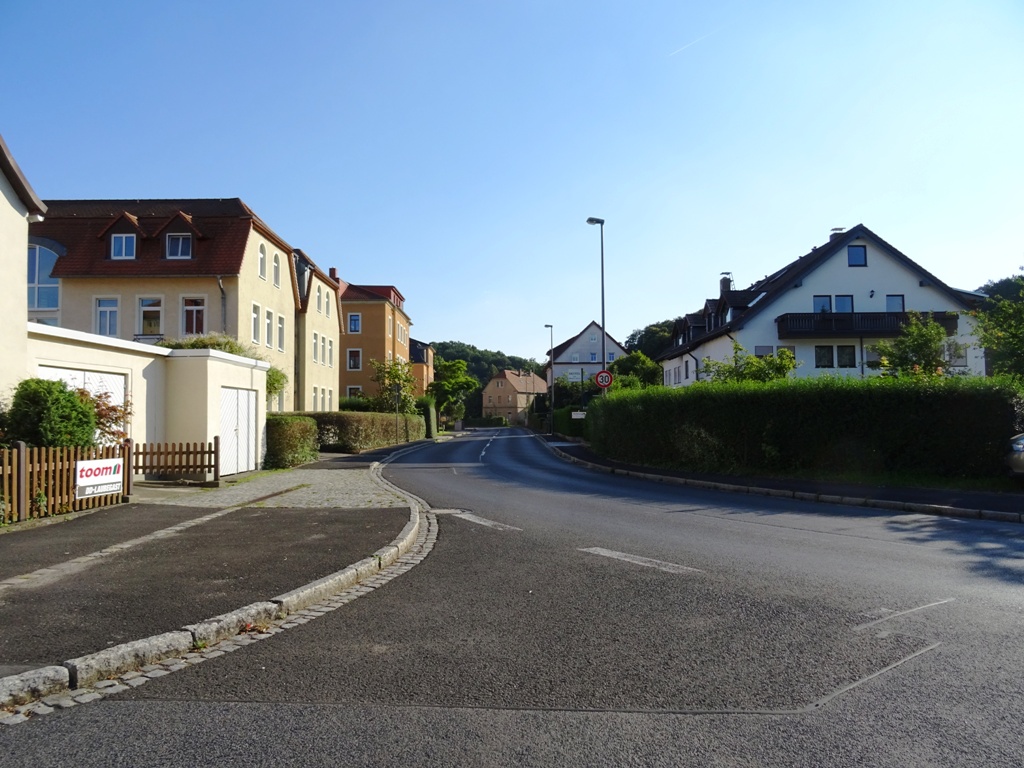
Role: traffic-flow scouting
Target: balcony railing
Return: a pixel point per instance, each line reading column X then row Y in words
column 804, row 325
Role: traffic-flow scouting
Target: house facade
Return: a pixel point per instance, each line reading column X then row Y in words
column 421, row 355
column 317, row 337
column 375, row 328
column 147, row 270
column 579, row 358
column 828, row 308
column 510, row 394
column 19, row 205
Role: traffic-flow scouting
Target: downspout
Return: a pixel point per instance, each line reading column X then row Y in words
column 696, row 366
column 223, row 306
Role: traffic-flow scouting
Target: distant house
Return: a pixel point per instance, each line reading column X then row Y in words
column 375, row 328
column 579, row 357
column 421, row 355
column 146, row 270
column 510, row 394
column 828, row 308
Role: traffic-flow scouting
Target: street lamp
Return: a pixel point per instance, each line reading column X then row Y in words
column 551, row 364
column 604, row 333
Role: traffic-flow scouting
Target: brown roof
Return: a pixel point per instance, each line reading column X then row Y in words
column 220, row 227
column 526, row 383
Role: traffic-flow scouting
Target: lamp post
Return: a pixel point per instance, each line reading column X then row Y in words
column 551, row 364
column 604, row 333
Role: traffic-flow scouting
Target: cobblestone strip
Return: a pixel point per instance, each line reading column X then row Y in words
column 425, row 540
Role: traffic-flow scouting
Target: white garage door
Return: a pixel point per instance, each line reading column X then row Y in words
column 237, row 430
column 94, row 382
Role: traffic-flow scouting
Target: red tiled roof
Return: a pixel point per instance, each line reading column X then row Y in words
column 80, row 226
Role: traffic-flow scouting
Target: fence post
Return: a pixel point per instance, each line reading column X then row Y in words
column 128, row 454
column 21, row 481
column 216, row 458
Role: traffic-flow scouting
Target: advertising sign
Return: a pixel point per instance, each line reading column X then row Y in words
column 98, row 477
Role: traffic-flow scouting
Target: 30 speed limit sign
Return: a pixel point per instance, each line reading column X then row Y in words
column 603, row 379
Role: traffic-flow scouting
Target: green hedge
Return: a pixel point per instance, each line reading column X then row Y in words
column 291, row 440
column 427, row 407
column 949, row 426
column 566, row 425
column 355, row 431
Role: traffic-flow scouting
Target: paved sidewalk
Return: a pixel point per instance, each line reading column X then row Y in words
column 181, row 556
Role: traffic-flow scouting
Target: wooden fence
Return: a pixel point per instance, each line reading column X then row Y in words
column 40, row 482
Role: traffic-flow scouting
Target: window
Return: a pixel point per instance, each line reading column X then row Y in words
column 391, row 323
column 323, row 350
column 762, row 351
column 312, row 406
column 330, row 352
column 256, row 323
column 277, row 270
column 686, row 368
column 593, row 338
column 894, row 303
column 179, row 246
column 822, row 304
column 575, row 357
column 593, row 357
column 106, row 317
column 316, row 346
column 151, row 316
column 122, row 246
column 846, row 356
column 611, row 357
column 263, row 262
column 43, row 290
column 330, row 399
column 844, row 303
column 280, row 333
column 319, row 300
column 355, row 359
column 354, row 391
column 500, row 384
column 323, row 399
column 823, row 357
column 857, row 255
column 790, row 348
column 355, row 323
column 193, row 315
column 327, row 309
column 270, row 328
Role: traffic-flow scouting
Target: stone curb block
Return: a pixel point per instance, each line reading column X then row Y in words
column 125, row 657
column 319, row 590
column 34, row 684
column 230, row 624
column 1005, row 517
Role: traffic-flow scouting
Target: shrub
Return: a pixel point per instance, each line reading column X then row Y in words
column 486, row 421
column 354, row 404
column 425, row 404
column 291, row 440
column 355, row 431
column 49, row 413
column 565, row 424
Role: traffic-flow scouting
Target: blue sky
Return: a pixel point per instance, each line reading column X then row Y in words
column 456, row 149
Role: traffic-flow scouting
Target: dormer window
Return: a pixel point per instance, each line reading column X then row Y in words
column 179, row 246
column 122, row 246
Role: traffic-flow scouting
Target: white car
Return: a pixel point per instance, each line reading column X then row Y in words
column 1015, row 458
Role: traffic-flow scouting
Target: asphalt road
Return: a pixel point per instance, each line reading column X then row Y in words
column 566, row 617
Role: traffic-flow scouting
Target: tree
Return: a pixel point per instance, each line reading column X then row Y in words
column 1000, row 324
column 481, row 364
column 638, row 365
column 747, row 367
column 50, row 413
column 395, row 382
column 450, row 388
column 921, row 349
column 652, row 339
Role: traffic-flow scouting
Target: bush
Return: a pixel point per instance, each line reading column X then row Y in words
column 355, row 432
column 49, row 413
column 291, row 440
column 425, row 404
column 939, row 426
column 565, row 424
column 354, row 404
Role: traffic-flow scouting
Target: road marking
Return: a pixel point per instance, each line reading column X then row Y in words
column 470, row 517
column 661, row 565
column 859, row 627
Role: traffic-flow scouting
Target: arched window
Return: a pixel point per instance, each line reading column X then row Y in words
column 277, row 270
column 263, row 262
column 319, row 300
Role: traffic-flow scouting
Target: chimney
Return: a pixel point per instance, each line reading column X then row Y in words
column 334, row 274
column 725, row 283
column 836, row 232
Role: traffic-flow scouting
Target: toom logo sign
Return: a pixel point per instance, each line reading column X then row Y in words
column 99, row 477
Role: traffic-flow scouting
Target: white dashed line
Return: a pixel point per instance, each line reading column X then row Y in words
column 644, row 561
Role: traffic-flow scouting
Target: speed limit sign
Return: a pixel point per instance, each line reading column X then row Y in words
column 603, row 379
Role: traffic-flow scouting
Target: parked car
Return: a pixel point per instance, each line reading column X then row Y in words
column 1015, row 458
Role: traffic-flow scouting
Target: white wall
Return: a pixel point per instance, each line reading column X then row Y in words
column 13, row 281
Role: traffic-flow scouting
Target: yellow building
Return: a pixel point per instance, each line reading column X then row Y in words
column 510, row 394
column 375, row 328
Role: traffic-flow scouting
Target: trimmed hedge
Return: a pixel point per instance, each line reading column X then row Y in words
column 426, row 405
column 486, row 421
column 566, row 425
column 357, row 431
column 946, row 426
column 291, row 440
